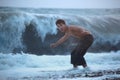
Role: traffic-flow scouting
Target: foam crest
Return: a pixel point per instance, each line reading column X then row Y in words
column 14, row 24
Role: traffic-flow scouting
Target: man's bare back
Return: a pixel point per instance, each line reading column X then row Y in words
column 77, row 31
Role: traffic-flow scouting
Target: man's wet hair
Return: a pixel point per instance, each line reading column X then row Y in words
column 59, row 21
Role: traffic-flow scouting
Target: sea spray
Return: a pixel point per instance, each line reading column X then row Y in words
column 32, row 30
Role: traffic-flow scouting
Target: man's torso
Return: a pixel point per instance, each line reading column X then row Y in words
column 78, row 32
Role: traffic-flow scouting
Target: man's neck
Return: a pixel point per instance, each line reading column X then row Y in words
column 66, row 29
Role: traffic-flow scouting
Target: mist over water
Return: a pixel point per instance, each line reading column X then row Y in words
column 32, row 30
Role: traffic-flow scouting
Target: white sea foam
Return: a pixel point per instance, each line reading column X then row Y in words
column 14, row 23
column 27, row 65
column 97, row 60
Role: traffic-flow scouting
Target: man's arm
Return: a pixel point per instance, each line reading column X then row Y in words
column 60, row 41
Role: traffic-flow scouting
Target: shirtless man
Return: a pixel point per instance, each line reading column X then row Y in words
column 85, row 37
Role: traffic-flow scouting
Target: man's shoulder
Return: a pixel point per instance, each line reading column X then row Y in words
column 75, row 27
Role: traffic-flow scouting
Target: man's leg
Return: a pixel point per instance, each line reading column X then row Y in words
column 73, row 58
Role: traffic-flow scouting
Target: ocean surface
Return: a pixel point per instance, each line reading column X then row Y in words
column 32, row 30
column 26, row 35
column 33, row 67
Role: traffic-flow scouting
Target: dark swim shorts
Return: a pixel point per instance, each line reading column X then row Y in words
column 77, row 55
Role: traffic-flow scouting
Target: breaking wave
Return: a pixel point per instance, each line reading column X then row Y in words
column 33, row 32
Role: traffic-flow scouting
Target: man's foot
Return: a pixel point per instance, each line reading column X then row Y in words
column 84, row 65
column 73, row 69
column 86, row 69
column 75, row 66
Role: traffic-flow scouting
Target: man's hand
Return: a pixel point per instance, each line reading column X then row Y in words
column 53, row 45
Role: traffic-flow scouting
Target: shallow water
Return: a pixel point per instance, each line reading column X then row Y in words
column 29, row 66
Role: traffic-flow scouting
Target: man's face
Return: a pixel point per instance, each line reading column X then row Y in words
column 61, row 27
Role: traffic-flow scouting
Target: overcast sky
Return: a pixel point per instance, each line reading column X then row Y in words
column 61, row 3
